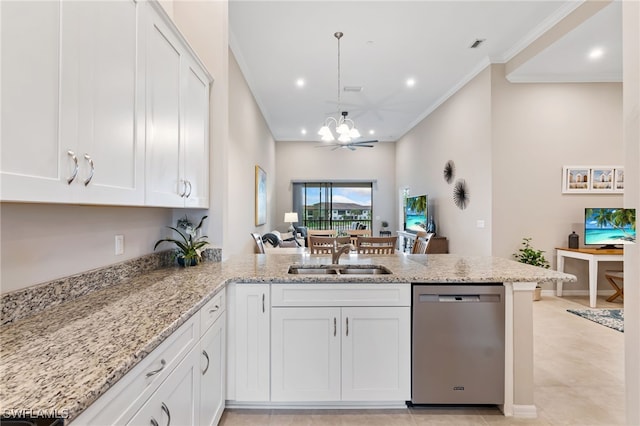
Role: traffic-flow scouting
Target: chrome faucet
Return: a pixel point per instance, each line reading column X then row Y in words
column 336, row 252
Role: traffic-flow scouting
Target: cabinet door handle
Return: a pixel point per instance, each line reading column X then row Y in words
column 75, row 167
column 154, row 422
column 166, row 410
column 154, row 372
column 335, row 326
column 207, row 357
column 184, row 185
column 215, row 309
column 347, row 326
column 188, row 193
column 263, row 302
column 88, row 158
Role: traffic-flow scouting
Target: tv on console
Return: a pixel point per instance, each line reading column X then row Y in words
column 415, row 213
column 607, row 227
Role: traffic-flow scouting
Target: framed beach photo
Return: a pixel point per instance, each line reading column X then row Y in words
column 619, row 179
column 602, row 179
column 261, row 196
column 576, row 179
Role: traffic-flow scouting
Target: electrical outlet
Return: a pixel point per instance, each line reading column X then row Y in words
column 119, row 245
column 480, row 223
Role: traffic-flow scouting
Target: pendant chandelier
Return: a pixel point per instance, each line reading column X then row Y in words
column 344, row 128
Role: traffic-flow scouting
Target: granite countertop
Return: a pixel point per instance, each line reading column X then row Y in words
column 66, row 356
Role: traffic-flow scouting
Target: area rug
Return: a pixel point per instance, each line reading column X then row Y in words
column 612, row 318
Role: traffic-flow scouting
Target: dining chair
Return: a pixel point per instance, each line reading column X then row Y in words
column 321, row 233
column 355, row 233
column 319, row 244
column 421, row 244
column 376, row 245
column 259, row 248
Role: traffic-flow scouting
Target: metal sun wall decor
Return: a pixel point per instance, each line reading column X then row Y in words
column 449, row 171
column 461, row 194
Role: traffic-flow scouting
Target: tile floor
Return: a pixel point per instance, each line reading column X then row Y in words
column 579, row 380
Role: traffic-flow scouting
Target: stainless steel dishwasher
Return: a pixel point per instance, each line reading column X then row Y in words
column 458, row 344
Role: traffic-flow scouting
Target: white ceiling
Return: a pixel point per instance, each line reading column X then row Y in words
column 387, row 42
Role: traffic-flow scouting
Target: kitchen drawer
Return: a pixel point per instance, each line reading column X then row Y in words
column 210, row 312
column 341, row 294
column 124, row 398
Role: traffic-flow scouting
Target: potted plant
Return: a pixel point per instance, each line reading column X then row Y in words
column 531, row 256
column 188, row 246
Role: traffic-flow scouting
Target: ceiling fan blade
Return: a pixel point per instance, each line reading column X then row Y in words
column 363, row 146
column 361, row 142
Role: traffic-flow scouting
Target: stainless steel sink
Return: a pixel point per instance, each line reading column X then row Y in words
column 339, row 270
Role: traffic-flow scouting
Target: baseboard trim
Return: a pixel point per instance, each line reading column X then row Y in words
column 525, row 411
column 337, row 405
column 577, row 292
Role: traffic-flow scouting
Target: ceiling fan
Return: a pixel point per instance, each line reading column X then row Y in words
column 346, row 128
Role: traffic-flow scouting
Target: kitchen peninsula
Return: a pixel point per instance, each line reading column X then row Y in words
column 66, row 357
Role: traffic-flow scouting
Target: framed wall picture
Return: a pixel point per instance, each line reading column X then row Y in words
column 602, row 179
column 576, row 179
column 261, row 196
column 592, row 179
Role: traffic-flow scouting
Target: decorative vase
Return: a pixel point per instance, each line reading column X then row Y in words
column 431, row 226
column 192, row 261
column 574, row 240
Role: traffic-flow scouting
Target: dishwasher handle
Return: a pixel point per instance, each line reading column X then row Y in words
column 459, row 298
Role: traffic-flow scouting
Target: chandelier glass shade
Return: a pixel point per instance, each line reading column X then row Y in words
column 344, row 128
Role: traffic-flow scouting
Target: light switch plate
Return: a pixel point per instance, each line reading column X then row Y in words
column 119, row 245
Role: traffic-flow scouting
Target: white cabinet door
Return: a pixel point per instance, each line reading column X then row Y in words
column 163, row 65
column 306, row 354
column 376, row 358
column 32, row 163
column 196, row 137
column 100, row 100
column 69, row 103
column 252, row 342
column 176, row 400
column 177, row 111
column 212, row 368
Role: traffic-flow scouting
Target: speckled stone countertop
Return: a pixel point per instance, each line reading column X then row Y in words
column 64, row 357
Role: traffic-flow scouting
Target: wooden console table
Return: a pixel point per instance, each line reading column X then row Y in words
column 593, row 256
column 437, row 245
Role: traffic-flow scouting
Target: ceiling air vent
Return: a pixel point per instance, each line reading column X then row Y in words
column 477, row 43
column 353, row 88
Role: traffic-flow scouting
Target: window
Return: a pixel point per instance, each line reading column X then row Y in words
column 334, row 205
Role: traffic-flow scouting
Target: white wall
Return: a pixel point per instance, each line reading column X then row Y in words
column 250, row 144
column 303, row 160
column 538, row 129
column 510, row 142
column 459, row 130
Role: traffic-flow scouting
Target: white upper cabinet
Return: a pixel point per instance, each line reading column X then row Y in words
column 103, row 102
column 71, row 108
column 177, row 105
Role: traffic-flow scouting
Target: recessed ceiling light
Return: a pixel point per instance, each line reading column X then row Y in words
column 372, row 132
column 411, row 82
column 303, row 131
column 300, row 82
column 596, row 53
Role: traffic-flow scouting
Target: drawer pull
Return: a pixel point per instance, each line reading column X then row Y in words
column 207, row 357
column 215, row 309
column 263, row 302
column 75, row 167
column 154, row 372
column 154, row 422
column 166, row 410
column 347, row 326
column 335, row 326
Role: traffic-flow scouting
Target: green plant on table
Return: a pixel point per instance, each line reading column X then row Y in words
column 189, row 247
column 531, row 256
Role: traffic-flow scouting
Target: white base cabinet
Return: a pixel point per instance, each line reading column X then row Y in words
column 340, row 354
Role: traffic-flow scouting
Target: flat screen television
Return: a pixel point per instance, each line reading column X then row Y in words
column 415, row 213
column 607, row 227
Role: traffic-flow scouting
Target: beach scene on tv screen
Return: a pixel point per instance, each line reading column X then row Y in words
column 609, row 226
column 415, row 213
